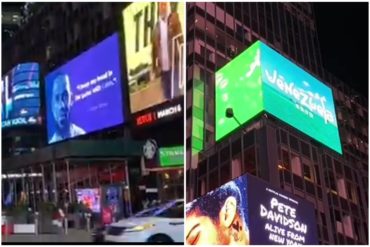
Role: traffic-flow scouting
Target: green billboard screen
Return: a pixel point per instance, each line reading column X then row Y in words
column 198, row 117
column 260, row 79
column 171, row 156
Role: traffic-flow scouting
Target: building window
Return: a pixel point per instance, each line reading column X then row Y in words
column 202, row 168
column 236, row 147
column 323, row 218
column 236, row 168
column 331, row 183
column 296, row 165
column 294, row 143
column 224, row 154
column 310, row 188
column 298, row 182
column 307, row 172
column 213, row 180
column 201, row 186
column 347, row 226
column 341, row 188
column 285, row 160
column 225, row 173
column 305, row 149
column 284, row 138
column 317, row 174
column 250, row 161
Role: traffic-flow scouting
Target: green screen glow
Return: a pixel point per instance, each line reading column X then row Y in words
column 171, row 156
column 260, row 79
column 198, row 117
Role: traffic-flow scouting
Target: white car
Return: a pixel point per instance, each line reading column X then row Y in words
column 160, row 224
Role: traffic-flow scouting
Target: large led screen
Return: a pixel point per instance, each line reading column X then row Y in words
column 20, row 96
column 247, row 211
column 90, row 198
column 238, row 86
column 171, row 156
column 260, row 79
column 154, row 52
column 84, row 95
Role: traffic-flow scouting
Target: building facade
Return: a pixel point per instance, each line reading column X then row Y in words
column 51, row 34
column 268, row 148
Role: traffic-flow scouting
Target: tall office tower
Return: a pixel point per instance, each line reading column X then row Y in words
column 268, row 145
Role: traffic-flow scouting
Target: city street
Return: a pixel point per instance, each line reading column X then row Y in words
column 73, row 236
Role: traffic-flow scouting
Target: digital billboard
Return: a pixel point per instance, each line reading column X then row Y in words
column 160, row 113
column 171, row 156
column 90, row 197
column 154, row 52
column 84, row 95
column 162, row 157
column 20, row 96
column 260, row 79
column 249, row 211
column 112, row 203
column 197, row 137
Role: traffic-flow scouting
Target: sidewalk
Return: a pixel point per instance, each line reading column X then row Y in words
column 74, row 235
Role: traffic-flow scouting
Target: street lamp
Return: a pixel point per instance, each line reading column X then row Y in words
column 230, row 114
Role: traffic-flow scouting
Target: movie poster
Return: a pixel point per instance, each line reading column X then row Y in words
column 154, row 45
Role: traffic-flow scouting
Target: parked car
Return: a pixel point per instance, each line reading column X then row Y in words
column 160, row 224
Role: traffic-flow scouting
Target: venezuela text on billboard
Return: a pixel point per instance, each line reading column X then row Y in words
column 260, row 79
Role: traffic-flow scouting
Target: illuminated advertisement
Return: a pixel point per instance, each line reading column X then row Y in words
column 278, row 217
column 171, row 156
column 249, row 211
column 20, row 96
column 112, row 202
column 161, row 113
column 264, row 80
column 197, row 140
column 90, row 198
column 154, row 52
column 163, row 157
column 84, row 95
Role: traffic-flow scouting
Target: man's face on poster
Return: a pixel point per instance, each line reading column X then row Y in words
column 227, row 229
column 61, row 101
column 200, row 229
column 162, row 9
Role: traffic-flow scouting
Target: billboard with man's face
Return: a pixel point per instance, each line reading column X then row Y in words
column 260, row 79
column 154, row 45
column 246, row 211
column 84, row 95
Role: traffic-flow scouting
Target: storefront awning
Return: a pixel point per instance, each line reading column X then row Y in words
column 76, row 149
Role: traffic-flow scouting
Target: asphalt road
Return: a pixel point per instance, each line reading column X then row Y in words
column 73, row 236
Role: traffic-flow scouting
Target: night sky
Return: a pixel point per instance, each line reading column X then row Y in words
column 343, row 37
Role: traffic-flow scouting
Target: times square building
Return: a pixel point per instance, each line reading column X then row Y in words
column 53, row 34
column 266, row 147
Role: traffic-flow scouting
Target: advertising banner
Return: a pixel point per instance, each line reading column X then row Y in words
column 247, row 211
column 159, row 114
column 264, row 80
column 163, row 157
column 90, row 198
column 198, row 117
column 277, row 217
column 112, row 203
column 154, row 45
column 85, row 95
column 171, row 156
column 20, row 96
